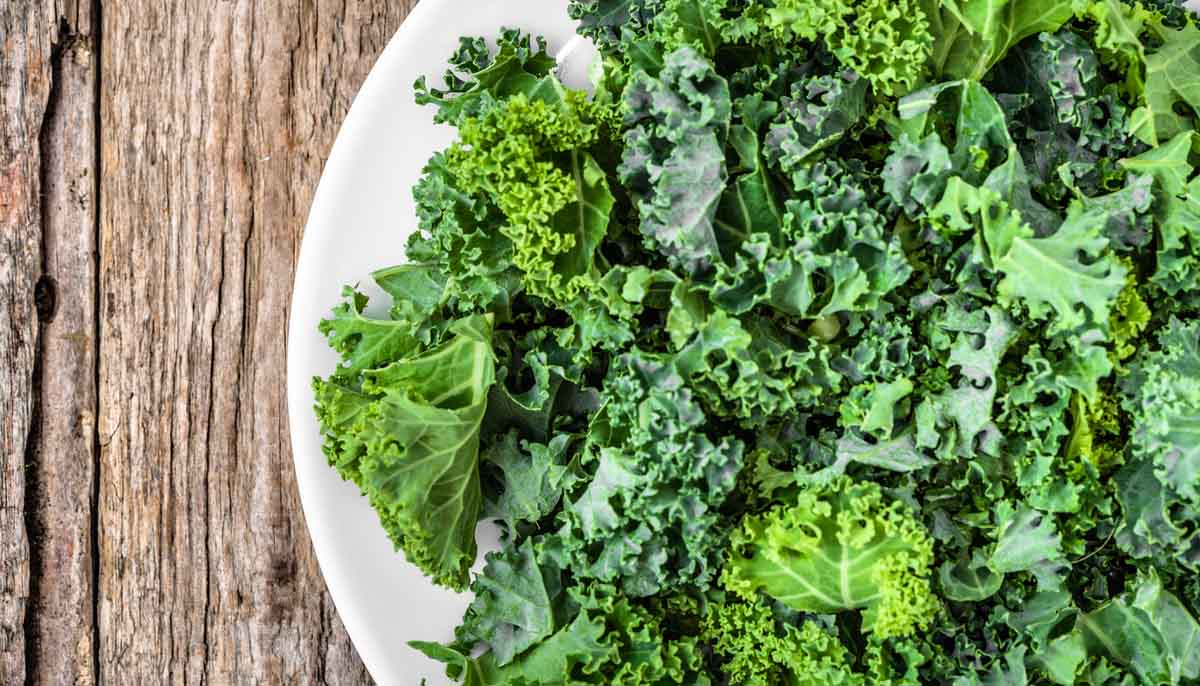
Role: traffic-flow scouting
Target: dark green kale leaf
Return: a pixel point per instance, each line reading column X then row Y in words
column 674, row 161
column 649, row 519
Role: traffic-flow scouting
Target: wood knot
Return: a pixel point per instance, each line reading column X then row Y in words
column 45, row 299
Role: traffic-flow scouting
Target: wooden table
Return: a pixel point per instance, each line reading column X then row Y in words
column 157, row 159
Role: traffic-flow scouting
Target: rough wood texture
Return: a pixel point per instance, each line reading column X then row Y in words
column 60, row 628
column 156, row 166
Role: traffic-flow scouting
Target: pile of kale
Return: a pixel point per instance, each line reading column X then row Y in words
column 829, row 342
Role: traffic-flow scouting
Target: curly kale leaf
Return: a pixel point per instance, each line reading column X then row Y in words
column 608, row 640
column 457, row 238
column 1070, row 126
column 366, row 342
column 815, row 115
column 835, row 252
column 836, row 548
column 886, row 43
column 477, row 78
column 674, row 160
column 515, row 604
column 529, row 157
column 747, row 373
column 755, row 647
column 532, row 476
column 1064, row 276
column 609, row 22
column 1176, row 209
column 1160, row 488
column 409, row 438
column 650, row 517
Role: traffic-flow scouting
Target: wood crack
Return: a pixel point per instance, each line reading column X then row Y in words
column 94, row 531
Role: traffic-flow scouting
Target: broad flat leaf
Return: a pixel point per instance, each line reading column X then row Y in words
column 1040, row 616
column 916, row 172
column 585, row 219
column 1178, row 268
column 1167, row 163
column 883, row 398
column 972, row 35
column 1172, row 84
column 1125, row 635
column 1062, row 658
column 422, row 468
column 750, row 203
column 416, row 286
column 1175, row 623
column 582, row 642
column 691, row 22
column 981, row 137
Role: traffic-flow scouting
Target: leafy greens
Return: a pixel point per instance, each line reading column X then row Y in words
column 823, row 342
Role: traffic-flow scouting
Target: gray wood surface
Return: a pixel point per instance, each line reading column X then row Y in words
column 157, row 160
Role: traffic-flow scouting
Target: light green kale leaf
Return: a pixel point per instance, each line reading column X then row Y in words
column 420, row 466
column 530, row 158
column 888, row 43
column 1028, row 541
column 971, row 36
column 365, row 342
column 1063, row 277
column 952, row 419
column 839, row 547
column 1172, row 93
column 757, row 649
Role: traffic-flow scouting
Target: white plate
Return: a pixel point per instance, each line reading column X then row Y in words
column 361, row 215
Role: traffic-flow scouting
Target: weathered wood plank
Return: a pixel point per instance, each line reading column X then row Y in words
column 24, row 91
column 215, row 118
column 60, row 626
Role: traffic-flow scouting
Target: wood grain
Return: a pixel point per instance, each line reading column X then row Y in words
column 24, row 88
column 60, row 628
column 157, row 161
